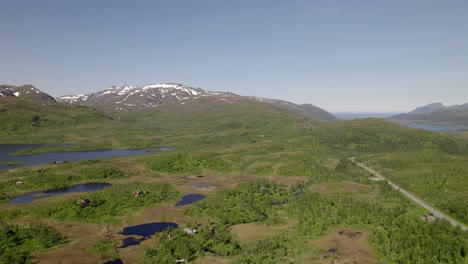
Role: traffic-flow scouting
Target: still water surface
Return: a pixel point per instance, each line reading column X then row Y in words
column 43, row 158
column 32, row 196
column 190, row 199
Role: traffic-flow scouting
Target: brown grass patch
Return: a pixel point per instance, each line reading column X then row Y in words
column 332, row 163
column 81, row 235
column 349, row 186
column 346, row 189
column 252, row 232
column 341, row 246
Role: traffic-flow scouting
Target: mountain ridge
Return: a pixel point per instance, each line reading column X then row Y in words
column 433, row 107
column 27, row 92
column 436, row 113
column 142, row 98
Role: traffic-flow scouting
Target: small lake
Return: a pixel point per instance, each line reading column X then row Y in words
column 431, row 127
column 46, row 158
column 147, row 230
column 190, row 199
column 32, row 196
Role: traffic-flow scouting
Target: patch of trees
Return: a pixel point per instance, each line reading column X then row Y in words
column 175, row 244
column 252, row 201
column 397, row 237
column 107, row 205
column 16, row 243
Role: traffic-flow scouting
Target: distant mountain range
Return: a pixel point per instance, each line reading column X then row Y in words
column 143, row 98
column 436, row 113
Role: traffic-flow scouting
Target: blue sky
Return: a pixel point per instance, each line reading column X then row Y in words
column 339, row 55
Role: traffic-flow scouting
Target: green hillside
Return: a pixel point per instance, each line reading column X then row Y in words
column 208, row 115
column 377, row 135
column 23, row 120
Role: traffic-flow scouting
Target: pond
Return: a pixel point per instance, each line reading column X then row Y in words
column 45, row 158
column 147, row 230
column 115, row 261
column 32, row 196
column 190, row 199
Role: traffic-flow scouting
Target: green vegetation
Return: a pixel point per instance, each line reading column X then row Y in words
column 175, row 244
column 250, row 202
column 102, row 246
column 436, row 177
column 9, row 163
column 269, row 168
column 16, row 242
column 28, row 117
column 108, row 205
column 58, row 176
column 379, row 136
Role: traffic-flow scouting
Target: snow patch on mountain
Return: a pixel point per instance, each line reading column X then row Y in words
column 147, row 96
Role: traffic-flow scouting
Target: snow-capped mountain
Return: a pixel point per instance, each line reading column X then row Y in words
column 27, row 91
column 140, row 98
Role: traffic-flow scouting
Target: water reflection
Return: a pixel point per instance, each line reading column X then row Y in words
column 32, row 196
column 190, row 199
column 147, row 230
column 44, row 158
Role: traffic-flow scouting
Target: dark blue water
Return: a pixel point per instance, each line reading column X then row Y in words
column 190, row 199
column 431, row 127
column 147, row 230
column 115, row 261
column 85, row 187
column 45, row 158
column 131, row 241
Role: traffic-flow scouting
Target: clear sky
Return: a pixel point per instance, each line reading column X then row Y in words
column 340, row 55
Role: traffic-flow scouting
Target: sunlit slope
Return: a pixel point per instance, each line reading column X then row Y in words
column 194, row 123
column 377, row 135
column 431, row 165
column 19, row 116
column 206, row 115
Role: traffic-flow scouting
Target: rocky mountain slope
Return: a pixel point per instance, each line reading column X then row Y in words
column 27, row 92
column 141, row 98
column 436, row 113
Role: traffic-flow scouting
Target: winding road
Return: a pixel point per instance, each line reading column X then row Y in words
column 431, row 209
